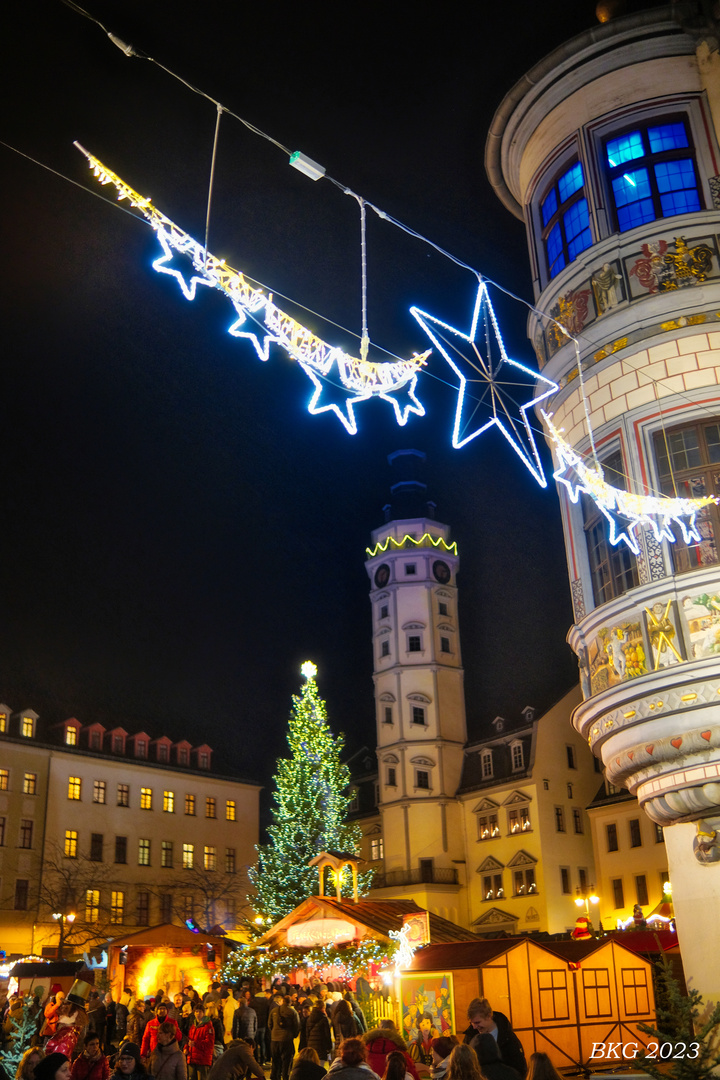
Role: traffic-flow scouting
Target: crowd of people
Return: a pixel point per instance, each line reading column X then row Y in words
column 235, row 1034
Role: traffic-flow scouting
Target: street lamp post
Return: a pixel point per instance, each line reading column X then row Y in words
column 585, row 899
column 62, row 918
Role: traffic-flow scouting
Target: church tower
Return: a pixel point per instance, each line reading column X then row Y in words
column 419, row 697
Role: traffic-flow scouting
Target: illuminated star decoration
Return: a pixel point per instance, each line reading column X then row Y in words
column 355, row 379
column 405, row 949
column 489, row 371
column 308, row 669
column 624, row 510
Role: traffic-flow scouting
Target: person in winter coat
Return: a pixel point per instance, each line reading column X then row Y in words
column 228, row 1008
column 96, row 1015
column 381, row 1041
column 306, row 1066
column 284, row 1029
column 357, row 1011
column 344, row 1024
column 317, row 1032
column 167, row 1061
column 122, row 1011
column 109, row 1020
column 92, row 1063
column 491, row 1066
column 351, row 1063
column 200, row 1044
column 53, row 1067
column 245, row 1022
column 152, row 1029
column 235, row 1063
column 483, row 1019
column 136, row 1024
column 51, row 1014
column 261, row 1004
column 128, row 1065
column 442, row 1048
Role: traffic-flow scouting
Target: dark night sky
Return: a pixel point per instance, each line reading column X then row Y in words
column 178, row 532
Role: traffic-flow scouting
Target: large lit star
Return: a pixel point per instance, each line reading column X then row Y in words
column 488, row 369
column 308, row 669
column 263, row 350
column 163, row 265
column 324, row 389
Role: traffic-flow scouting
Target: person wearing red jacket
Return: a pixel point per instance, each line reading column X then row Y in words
column 200, row 1044
column 92, row 1063
column 150, row 1035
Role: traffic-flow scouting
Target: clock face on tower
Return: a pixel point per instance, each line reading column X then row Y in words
column 382, row 576
column 441, row 570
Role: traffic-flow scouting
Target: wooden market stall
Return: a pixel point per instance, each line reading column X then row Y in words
column 165, row 956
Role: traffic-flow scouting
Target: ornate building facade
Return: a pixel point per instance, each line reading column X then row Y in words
column 608, row 151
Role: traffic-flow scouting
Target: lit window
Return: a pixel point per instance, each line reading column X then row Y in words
column 143, row 909
column 96, row 847
column 210, row 808
column 26, row 833
column 376, row 848
column 99, row 791
column 121, row 849
column 74, row 787
column 27, row 727
column 486, row 764
column 414, row 643
column 559, row 819
column 71, row 736
column 517, row 757
column 30, row 783
column 230, row 860
column 524, row 882
column 565, row 219
column 3, row 723
column 71, row 842
column 519, row 820
column 687, row 461
column 169, row 802
column 418, row 714
column 92, row 905
column 143, row 852
column 4, row 779
column 652, row 174
column 188, row 856
column 123, row 795
column 117, row 907
column 492, row 887
column 190, row 805
column 230, row 811
column 422, row 779
column 145, row 798
column 166, row 853
column 210, row 858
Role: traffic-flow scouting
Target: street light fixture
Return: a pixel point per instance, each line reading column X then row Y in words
column 585, row 899
column 62, row 918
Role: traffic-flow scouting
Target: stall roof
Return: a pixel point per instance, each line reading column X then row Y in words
column 169, row 935
column 55, row 969
column 473, row 954
column 380, row 916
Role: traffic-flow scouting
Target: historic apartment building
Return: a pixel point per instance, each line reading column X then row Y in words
column 117, row 829
column 608, row 152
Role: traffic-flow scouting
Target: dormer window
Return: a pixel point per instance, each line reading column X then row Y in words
column 354, row 800
column 3, row 723
column 140, row 748
column 162, row 752
column 71, row 735
column 27, row 727
column 203, row 759
column 486, row 764
column 95, row 740
column 516, row 752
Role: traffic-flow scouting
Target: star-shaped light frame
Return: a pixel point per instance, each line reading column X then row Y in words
column 506, row 414
column 162, row 266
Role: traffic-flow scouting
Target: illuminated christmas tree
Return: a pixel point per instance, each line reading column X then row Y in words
column 309, row 812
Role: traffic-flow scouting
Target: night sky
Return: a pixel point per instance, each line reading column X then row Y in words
column 178, row 533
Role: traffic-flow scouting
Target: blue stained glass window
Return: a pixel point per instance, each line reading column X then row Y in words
column 667, row 137
column 631, row 187
column 577, row 228
column 677, row 186
column 549, row 206
column 626, row 148
column 556, row 258
column 571, row 182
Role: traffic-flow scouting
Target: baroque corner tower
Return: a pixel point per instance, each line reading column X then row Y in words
column 419, row 696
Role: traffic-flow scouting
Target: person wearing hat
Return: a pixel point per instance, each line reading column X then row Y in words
column 128, row 1065
column 53, row 1067
column 200, row 1045
column 71, row 1020
column 150, row 1034
column 51, row 1010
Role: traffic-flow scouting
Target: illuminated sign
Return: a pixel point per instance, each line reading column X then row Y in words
column 321, row 932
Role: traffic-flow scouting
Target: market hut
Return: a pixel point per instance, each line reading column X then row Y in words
column 166, row 956
column 562, row 997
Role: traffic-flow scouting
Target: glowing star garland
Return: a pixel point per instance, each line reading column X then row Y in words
column 359, row 379
column 624, row 510
column 484, row 369
column 405, row 948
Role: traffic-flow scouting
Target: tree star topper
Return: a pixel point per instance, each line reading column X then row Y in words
column 654, row 511
column 308, row 669
column 359, row 379
column 488, row 367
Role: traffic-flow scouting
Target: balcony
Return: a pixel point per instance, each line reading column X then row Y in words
column 426, row 875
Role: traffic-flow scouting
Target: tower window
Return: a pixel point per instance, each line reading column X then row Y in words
column 444, row 644
column 391, row 777
column 652, row 174
column 388, row 715
column 687, row 461
column 565, row 219
column 384, row 611
column 418, row 714
column 414, row 643
column 422, row 779
column 613, row 567
column 410, row 568
column 442, row 608
column 385, row 648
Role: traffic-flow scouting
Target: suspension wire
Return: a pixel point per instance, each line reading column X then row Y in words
column 212, row 178
column 365, row 339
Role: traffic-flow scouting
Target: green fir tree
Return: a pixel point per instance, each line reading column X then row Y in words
column 23, row 1026
column 684, row 1042
column 309, row 812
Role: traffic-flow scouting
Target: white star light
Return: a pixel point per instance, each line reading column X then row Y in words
column 188, row 287
column 308, row 669
column 505, row 413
